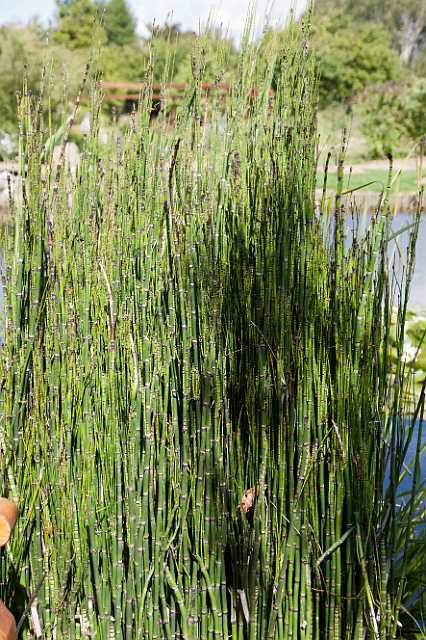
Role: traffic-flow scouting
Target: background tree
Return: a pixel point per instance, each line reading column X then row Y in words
column 171, row 50
column 77, row 25
column 18, row 46
column 393, row 118
column 124, row 63
column 405, row 20
column 119, row 23
column 23, row 50
column 352, row 57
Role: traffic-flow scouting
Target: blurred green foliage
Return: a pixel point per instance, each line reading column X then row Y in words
column 393, row 117
column 352, row 57
column 25, row 51
column 415, row 109
column 382, row 121
column 403, row 20
column 119, row 23
column 78, row 25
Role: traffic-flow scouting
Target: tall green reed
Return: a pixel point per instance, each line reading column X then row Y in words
column 184, row 325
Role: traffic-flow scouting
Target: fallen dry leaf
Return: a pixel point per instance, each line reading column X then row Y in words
column 248, row 499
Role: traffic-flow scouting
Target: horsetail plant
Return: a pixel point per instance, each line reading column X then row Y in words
column 199, row 408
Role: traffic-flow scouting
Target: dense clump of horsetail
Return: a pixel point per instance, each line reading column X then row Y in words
column 198, row 403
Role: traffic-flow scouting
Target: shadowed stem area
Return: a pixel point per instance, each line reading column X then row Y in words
column 183, row 326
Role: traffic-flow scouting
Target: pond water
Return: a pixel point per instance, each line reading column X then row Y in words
column 398, row 249
column 406, row 484
column 417, row 300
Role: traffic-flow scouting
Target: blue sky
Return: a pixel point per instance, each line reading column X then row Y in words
column 231, row 13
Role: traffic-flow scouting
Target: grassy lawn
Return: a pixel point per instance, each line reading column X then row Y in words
column 331, row 123
column 406, row 182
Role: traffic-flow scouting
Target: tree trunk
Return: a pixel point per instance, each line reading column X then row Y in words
column 411, row 36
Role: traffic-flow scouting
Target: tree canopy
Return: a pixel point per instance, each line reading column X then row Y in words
column 119, row 23
column 352, row 57
column 24, row 48
column 405, row 21
column 77, row 23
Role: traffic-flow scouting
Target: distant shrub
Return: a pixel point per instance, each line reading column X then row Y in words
column 382, row 120
column 24, row 52
column 77, row 26
column 124, row 63
column 415, row 109
column 350, row 58
column 393, row 115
